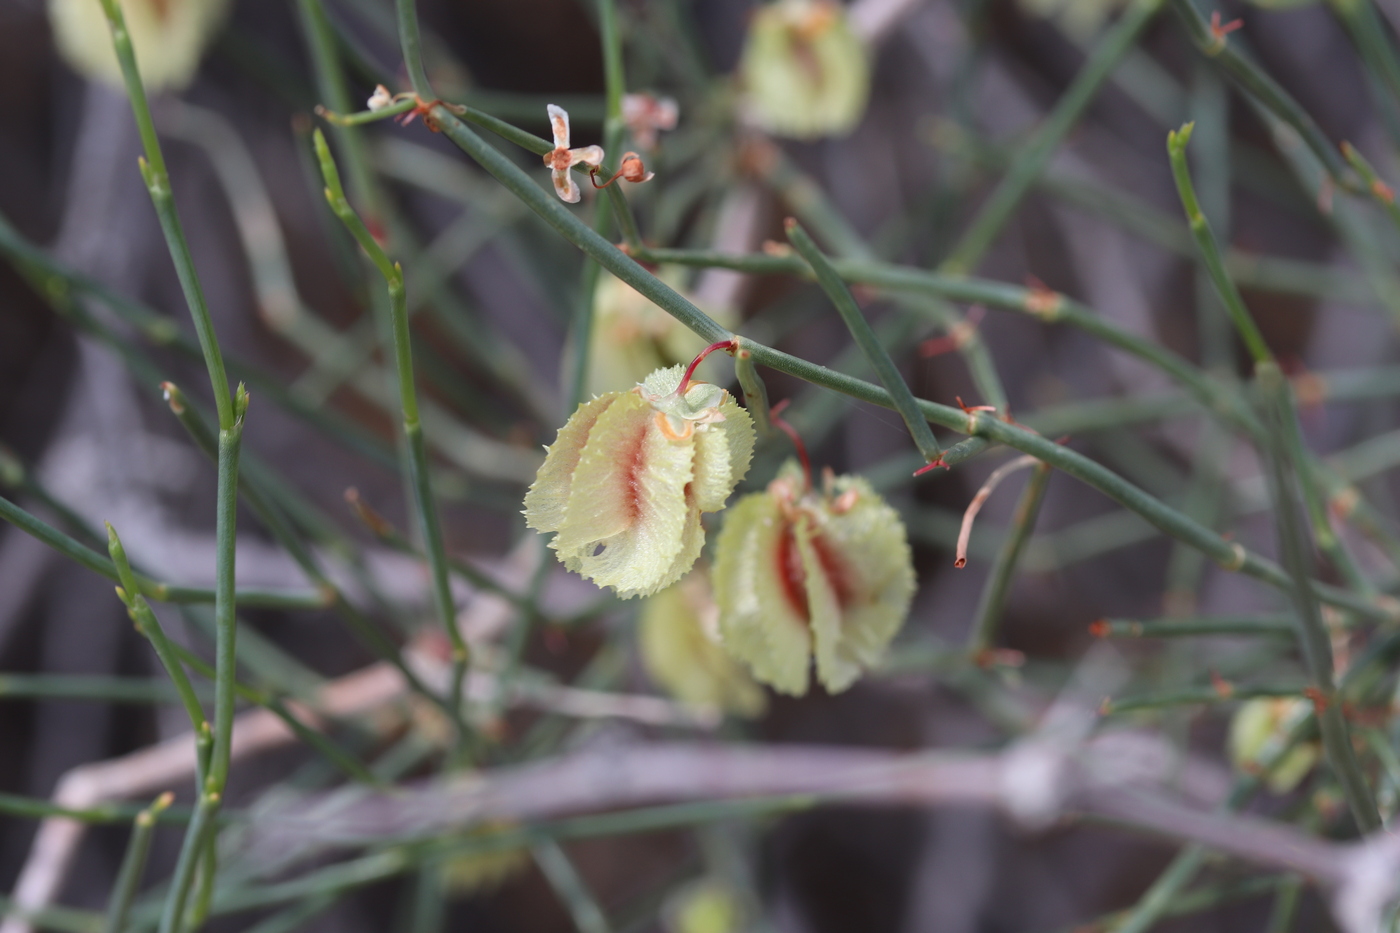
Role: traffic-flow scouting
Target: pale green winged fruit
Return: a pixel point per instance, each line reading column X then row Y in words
column 1259, row 723
column 805, row 73
column 801, row 575
column 168, row 37
column 625, row 482
column 680, row 646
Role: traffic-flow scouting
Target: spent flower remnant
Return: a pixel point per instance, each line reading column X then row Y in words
column 561, row 158
column 646, row 115
column 804, row 71
column 380, row 99
column 625, row 482
column 681, row 650
column 168, row 37
column 800, row 574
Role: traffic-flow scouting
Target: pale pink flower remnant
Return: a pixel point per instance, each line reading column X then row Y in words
column 645, row 115
column 561, row 159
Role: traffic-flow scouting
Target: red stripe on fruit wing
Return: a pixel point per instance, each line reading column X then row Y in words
column 792, row 576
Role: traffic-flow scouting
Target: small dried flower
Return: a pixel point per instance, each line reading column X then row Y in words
column 561, row 158
column 168, row 37
column 805, row 71
column 799, row 575
column 380, row 99
column 626, row 480
column 681, row 650
column 645, row 115
column 632, row 169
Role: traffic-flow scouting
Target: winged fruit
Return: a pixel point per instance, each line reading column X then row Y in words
column 625, row 482
column 801, row 575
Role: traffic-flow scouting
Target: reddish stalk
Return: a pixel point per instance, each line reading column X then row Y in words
column 791, row 432
column 975, row 506
column 685, row 380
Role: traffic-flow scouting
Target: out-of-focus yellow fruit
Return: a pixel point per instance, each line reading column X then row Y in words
column 168, row 36
column 805, row 73
column 801, row 575
column 681, row 650
column 1257, row 724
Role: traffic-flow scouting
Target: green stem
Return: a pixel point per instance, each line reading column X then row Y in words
column 1382, row 193
column 191, row 853
column 1285, row 906
column 1177, row 141
column 1314, row 639
column 1203, row 625
column 425, row 506
column 984, row 623
column 135, row 690
column 755, row 392
column 148, row 625
column 225, row 613
column 33, row 808
column 134, row 864
column 564, row 878
column 157, row 179
column 875, row 353
column 1191, row 696
column 412, row 44
column 1255, row 83
column 1032, row 161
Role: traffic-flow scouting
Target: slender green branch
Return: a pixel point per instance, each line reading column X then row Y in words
column 172, row 916
column 1256, row 84
column 1177, row 141
column 755, row 392
column 984, row 623
column 1192, row 696
column 149, row 626
column 136, row 690
column 1313, row 636
column 225, row 619
column 134, row 864
column 157, row 179
column 1372, row 40
column 1036, row 154
column 875, row 353
column 1382, row 193
column 412, row 44
column 426, row 508
column 162, row 592
column 1201, row 625
column 564, row 878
